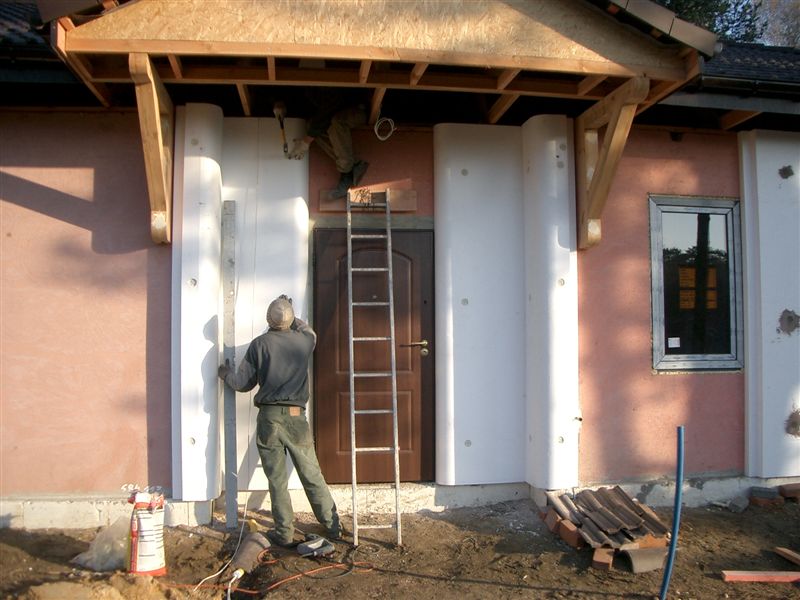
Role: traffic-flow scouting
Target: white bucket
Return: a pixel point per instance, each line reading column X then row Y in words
column 146, row 548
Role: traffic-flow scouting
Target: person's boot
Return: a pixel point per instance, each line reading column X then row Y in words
column 359, row 168
column 345, row 183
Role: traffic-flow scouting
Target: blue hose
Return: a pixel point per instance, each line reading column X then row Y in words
column 676, row 517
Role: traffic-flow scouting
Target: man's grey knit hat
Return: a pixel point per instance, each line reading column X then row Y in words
column 280, row 314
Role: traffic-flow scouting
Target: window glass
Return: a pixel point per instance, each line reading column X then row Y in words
column 696, row 304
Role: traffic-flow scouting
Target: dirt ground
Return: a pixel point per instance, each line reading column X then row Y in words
column 499, row 551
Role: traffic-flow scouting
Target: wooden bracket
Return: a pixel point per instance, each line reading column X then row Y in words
column 596, row 165
column 157, row 124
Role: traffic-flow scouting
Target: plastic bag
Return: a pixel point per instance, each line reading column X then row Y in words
column 109, row 549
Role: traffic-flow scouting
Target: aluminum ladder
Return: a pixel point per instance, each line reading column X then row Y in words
column 368, row 201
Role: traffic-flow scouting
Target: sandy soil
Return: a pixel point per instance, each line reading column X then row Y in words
column 500, row 551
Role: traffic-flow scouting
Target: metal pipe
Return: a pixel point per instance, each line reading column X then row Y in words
column 676, row 517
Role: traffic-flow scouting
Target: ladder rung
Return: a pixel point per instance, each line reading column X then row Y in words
column 376, row 449
column 369, row 269
column 372, row 374
column 370, row 304
column 374, row 411
column 371, row 339
column 392, row 526
column 370, row 204
column 368, row 236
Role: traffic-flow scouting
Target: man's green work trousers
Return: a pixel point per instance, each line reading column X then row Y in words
column 277, row 433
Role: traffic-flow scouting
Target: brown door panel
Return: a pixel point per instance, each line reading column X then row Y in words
column 413, row 296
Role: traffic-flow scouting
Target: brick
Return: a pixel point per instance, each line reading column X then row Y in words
column 767, row 502
column 552, row 520
column 603, row 558
column 569, row 533
column 651, row 541
column 790, row 490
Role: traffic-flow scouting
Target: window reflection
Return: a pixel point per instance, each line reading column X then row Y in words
column 697, row 317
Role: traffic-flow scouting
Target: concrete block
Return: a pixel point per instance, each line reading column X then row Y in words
column 763, row 492
column 603, row 558
column 60, row 513
column 569, row 533
column 11, row 514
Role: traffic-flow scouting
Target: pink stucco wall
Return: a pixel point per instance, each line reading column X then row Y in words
column 85, row 342
column 404, row 161
column 630, row 413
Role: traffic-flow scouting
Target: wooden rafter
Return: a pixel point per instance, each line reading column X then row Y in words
column 176, row 66
column 156, row 122
column 587, row 84
column 375, row 107
column 732, row 118
column 501, row 105
column 416, row 73
column 271, row 73
column 79, row 64
column 245, row 97
column 506, row 77
column 596, row 165
column 363, row 71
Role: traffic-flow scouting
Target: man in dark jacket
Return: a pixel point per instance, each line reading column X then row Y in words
column 277, row 361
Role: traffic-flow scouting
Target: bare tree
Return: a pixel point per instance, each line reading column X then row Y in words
column 782, row 20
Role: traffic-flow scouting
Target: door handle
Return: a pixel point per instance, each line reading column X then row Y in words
column 422, row 344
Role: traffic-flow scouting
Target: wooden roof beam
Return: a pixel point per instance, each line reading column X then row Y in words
column 587, row 84
column 506, row 77
column 595, row 165
column 416, row 73
column 176, row 65
column 501, row 105
column 363, row 71
column 375, row 108
column 157, row 124
column 78, row 64
column 246, row 98
column 732, row 118
column 271, row 72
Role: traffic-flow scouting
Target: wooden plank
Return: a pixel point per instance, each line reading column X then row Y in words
column 732, row 118
column 632, row 91
column 506, row 77
column 245, row 98
column 363, row 71
column 176, row 66
column 587, row 84
column 501, row 105
column 789, row 555
column 616, row 111
column 761, row 576
column 375, row 105
column 417, row 72
column 156, row 122
column 358, row 53
column 78, row 64
column 403, row 200
column 228, row 251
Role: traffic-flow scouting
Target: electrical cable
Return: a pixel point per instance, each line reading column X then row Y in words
column 379, row 123
column 239, row 541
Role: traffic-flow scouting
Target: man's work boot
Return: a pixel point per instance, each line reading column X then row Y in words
column 345, row 183
column 359, row 168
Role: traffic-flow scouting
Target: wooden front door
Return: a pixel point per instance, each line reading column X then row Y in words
column 413, row 296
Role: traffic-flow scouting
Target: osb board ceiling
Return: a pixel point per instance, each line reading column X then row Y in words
column 545, row 35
